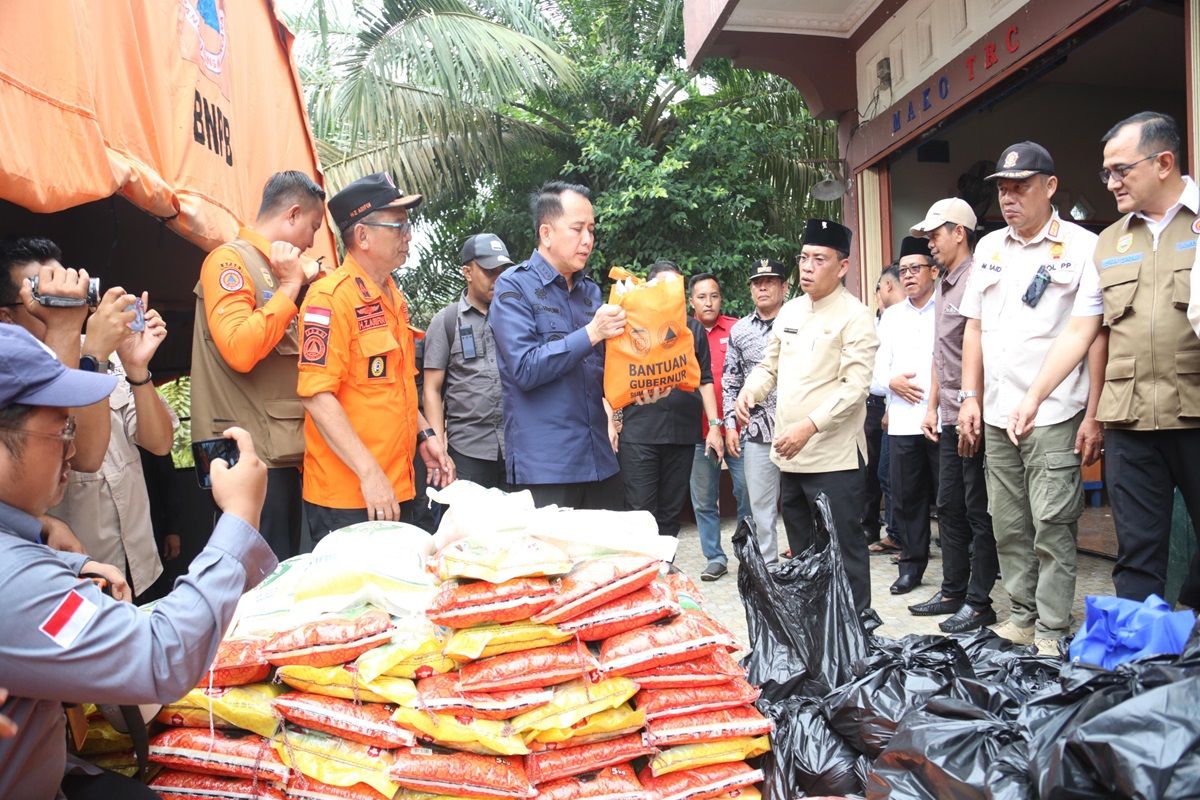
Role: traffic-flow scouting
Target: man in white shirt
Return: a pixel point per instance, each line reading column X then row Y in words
column 1030, row 279
column 903, row 364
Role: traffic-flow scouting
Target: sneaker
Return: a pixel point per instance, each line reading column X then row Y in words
column 1014, row 632
column 1046, row 646
column 714, row 570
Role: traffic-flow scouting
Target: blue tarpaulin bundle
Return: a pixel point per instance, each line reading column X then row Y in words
column 1116, row 630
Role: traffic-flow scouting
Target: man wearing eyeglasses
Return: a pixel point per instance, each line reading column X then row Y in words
column 62, row 639
column 903, row 364
column 357, row 370
column 1030, row 279
column 1150, row 405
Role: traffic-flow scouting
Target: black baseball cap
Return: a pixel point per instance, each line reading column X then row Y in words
column 487, row 250
column 1022, row 160
column 827, row 233
column 767, row 268
column 368, row 194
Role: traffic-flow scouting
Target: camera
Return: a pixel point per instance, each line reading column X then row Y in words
column 57, row 301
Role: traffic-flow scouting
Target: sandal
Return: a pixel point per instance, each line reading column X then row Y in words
column 884, row 545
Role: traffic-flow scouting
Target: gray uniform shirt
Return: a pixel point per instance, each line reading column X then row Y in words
column 63, row 640
column 747, row 343
column 471, row 386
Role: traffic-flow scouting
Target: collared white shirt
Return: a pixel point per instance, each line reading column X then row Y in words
column 1189, row 198
column 906, row 345
column 1016, row 336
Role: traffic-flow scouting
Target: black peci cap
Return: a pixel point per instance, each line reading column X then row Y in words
column 827, row 233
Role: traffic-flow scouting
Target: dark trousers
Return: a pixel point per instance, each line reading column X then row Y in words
column 798, row 493
column 280, row 520
column 603, row 495
column 883, row 475
column 873, row 493
column 969, row 565
column 106, row 786
column 321, row 519
column 913, row 470
column 485, row 472
column 1143, row 470
column 657, row 478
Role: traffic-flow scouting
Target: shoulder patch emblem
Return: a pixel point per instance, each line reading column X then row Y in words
column 231, row 280
column 314, row 347
column 68, row 620
column 1124, row 243
column 362, row 288
column 377, row 367
column 1196, row 226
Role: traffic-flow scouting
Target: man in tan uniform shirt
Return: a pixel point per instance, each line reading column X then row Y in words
column 819, row 359
column 1150, row 404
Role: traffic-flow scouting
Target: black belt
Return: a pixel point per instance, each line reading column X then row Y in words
column 876, row 400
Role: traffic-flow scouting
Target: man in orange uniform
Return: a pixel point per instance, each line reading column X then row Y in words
column 357, row 370
column 246, row 340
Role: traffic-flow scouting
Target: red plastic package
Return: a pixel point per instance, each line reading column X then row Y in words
column 448, row 772
column 715, row 668
column 238, row 662
column 330, row 641
column 596, row 582
column 527, row 669
column 171, row 784
column 365, row 723
column 218, row 753
column 463, row 605
column 611, row 783
column 697, row 784
column 707, row 725
column 551, row 765
column 688, row 636
column 441, row 694
column 674, row 702
column 626, row 613
column 302, row 787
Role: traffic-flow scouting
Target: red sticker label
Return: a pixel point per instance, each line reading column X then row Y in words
column 231, row 280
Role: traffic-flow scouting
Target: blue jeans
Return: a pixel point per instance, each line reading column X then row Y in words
column 706, row 497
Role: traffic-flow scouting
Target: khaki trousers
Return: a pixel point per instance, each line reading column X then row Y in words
column 1035, row 496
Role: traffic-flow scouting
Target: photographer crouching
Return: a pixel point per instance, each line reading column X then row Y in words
column 61, row 638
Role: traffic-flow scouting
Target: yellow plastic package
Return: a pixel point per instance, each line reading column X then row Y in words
column 345, row 682
column 123, row 762
column 599, row 727
column 415, row 651
column 483, row 736
column 498, row 559
column 703, row 754
column 104, row 738
column 336, row 761
column 574, row 701
column 247, row 707
column 484, row 641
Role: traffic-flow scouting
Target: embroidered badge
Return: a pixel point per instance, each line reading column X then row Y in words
column 1010, row 160
column 362, row 287
column 1196, row 226
column 1124, row 243
column 67, row 621
column 1056, row 250
column 314, row 347
column 377, row 367
column 370, row 316
column 231, row 280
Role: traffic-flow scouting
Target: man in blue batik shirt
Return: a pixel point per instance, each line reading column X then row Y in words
column 550, row 325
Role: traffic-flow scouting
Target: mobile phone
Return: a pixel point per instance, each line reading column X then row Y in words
column 466, row 335
column 203, row 453
column 139, row 322
column 712, row 456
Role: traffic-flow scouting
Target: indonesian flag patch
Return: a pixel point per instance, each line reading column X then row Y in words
column 67, row 621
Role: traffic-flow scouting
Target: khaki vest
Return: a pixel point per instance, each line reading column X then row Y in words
column 1152, row 381
column 263, row 400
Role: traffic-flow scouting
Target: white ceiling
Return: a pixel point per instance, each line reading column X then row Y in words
column 838, row 18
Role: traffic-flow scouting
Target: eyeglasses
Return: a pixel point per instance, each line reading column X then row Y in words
column 66, row 435
column 913, row 270
column 1119, row 171
column 816, row 261
column 399, row 227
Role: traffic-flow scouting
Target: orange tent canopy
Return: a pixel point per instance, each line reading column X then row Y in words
column 182, row 107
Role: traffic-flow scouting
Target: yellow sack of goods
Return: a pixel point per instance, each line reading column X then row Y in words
column 599, row 727
column 415, row 651
column 102, row 738
column 656, row 350
column 702, row 754
column 502, row 558
column 246, row 707
column 464, row 732
column 574, row 701
column 484, row 641
column 347, row 683
column 336, row 761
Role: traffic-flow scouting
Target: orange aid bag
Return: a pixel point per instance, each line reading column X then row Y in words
column 174, row 784
column 331, row 640
column 463, row 605
column 218, row 753
column 302, row 787
column 686, row 637
column 365, row 723
column 704, row 726
column 674, row 702
column 238, row 662
column 638, row 608
column 617, row 782
column 593, row 583
column 703, row 782
column 711, row 670
column 440, row 694
column 551, row 765
column 527, row 669
column 460, row 774
column 655, row 351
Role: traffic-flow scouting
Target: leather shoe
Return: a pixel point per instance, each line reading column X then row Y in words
column 968, row 618
column 905, row 584
column 936, row 606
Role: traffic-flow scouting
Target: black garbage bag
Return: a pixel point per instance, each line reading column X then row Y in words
column 804, row 632
column 897, row 678
column 945, row 748
column 1017, row 667
column 807, row 758
column 1145, row 747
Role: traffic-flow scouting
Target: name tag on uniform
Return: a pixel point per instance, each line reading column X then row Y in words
column 791, row 330
column 1190, row 244
column 1118, row 260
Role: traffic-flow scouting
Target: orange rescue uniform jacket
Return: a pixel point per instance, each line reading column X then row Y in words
column 356, row 342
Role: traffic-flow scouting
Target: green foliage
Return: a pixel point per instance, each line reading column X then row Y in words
column 178, row 395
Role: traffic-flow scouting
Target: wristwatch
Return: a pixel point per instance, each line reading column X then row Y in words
column 716, row 423
column 428, row 433
column 92, row 364
column 964, row 394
